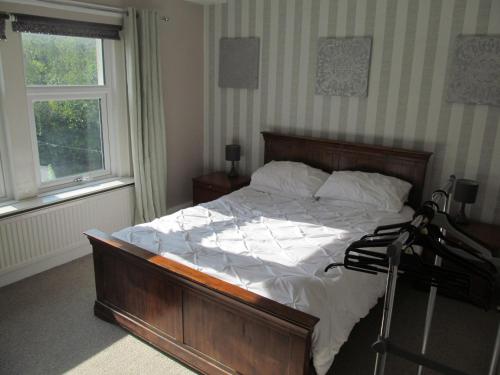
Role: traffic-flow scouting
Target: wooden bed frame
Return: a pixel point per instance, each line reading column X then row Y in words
column 211, row 325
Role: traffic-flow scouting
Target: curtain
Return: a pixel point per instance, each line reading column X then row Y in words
column 58, row 26
column 3, row 17
column 146, row 116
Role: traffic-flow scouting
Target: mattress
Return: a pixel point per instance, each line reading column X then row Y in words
column 278, row 246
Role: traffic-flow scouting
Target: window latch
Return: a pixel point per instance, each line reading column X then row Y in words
column 81, row 179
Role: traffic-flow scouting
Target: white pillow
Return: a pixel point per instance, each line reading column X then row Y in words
column 289, row 178
column 383, row 192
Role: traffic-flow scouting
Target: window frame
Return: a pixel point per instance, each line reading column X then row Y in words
column 102, row 92
column 68, row 180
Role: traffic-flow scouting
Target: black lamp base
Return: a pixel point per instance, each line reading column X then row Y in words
column 461, row 218
column 233, row 172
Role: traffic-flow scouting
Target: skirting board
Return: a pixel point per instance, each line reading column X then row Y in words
column 44, row 263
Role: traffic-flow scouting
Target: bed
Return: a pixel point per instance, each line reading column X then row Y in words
column 218, row 323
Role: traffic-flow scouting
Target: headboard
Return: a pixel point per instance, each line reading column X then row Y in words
column 330, row 155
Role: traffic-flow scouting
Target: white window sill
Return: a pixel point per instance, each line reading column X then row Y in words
column 12, row 208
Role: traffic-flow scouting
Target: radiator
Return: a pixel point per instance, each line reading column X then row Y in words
column 41, row 239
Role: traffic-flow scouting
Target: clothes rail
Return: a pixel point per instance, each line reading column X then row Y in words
column 431, row 228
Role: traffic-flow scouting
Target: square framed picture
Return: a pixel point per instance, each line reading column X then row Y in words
column 475, row 72
column 342, row 66
column 239, row 63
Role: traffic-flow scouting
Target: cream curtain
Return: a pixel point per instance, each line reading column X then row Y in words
column 146, row 116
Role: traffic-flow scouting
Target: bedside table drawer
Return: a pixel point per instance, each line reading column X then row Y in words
column 205, row 193
column 214, row 185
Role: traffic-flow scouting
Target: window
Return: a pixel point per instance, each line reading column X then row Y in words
column 63, row 114
column 52, row 60
column 69, row 137
column 67, row 104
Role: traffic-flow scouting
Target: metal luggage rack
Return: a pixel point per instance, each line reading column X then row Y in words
column 391, row 250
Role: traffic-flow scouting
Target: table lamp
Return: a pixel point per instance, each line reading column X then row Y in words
column 465, row 193
column 232, row 155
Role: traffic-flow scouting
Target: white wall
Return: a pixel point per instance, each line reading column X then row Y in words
column 181, row 48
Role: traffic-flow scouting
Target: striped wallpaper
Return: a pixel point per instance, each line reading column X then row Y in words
column 406, row 104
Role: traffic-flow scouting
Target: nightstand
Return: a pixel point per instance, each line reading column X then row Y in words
column 487, row 234
column 214, row 185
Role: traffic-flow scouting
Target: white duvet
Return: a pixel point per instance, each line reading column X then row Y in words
column 278, row 247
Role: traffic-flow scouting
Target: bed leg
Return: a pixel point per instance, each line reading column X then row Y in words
column 104, row 313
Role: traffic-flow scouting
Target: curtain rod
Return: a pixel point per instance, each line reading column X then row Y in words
column 79, row 6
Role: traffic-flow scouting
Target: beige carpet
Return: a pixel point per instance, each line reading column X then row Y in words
column 47, row 327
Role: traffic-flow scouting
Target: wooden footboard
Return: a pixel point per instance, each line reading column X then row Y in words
column 213, row 326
